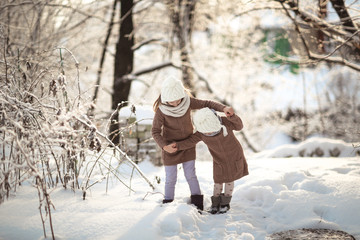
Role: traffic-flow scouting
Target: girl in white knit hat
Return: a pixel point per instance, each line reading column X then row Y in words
column 172, row 123
column 229, row 163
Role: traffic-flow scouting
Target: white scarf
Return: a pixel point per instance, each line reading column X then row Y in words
column 177, row 111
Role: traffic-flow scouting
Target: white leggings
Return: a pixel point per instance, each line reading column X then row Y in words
column 190, row 175
column 229, row 188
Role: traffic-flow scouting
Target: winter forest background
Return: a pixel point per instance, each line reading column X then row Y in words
column 69, row 68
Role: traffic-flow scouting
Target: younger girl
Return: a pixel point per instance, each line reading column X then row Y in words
column 172, row 123
column 229, row 163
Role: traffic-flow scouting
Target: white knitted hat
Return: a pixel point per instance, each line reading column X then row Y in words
column 172, row 89
column 206, row 121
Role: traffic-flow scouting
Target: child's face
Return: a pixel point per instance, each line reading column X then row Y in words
column 174, row 103
column 208, row 133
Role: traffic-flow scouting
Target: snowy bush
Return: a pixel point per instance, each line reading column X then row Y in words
column 46, row 139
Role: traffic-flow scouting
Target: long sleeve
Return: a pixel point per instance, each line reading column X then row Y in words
column 190, row 142
column 198, row 103
column 156, row 130
column 234, row 122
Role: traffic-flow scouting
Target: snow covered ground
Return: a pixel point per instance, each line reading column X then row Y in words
column 279, row 194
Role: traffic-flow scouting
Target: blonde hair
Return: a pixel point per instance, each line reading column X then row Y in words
column 158, row 100
column 157, row 103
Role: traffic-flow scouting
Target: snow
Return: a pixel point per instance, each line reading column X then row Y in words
column 326, row 148
column 279, row 194
column 143, row 113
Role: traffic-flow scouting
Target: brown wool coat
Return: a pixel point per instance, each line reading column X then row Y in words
column 167, row 129
column 229, row 163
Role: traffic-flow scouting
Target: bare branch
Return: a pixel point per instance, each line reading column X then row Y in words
column 141, row 44
column 134, row 75
column 85, row 122
column 103, row 54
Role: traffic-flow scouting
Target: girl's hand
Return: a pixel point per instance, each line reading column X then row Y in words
column 171, row 148
column 229, row 111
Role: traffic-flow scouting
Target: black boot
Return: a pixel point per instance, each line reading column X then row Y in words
column 167, row 200
column 224, row 203
column 198, row 201
column 215, row 204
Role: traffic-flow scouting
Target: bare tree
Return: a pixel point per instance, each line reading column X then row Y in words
column 123, row 65
column 102, row 58
column 343, row 38
column 182, row 18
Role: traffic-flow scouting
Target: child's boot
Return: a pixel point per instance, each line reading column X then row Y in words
column 198, row 201
column 224, row 203
column 215, row 204
column 167, row 201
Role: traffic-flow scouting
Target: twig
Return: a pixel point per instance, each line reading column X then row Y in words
column 152, row 193
column 77, row 68
column 117, row 149
column 39, row 178
column 103, row 55
column 111, row 169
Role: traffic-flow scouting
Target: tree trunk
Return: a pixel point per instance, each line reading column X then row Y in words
column 102, row 59
column 124, row 58
column 320, row 34
column 344, row 16
column 182, row 16
column 348, row 25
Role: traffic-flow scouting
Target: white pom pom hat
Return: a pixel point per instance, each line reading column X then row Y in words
column 206, row 121
column 172, row 89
